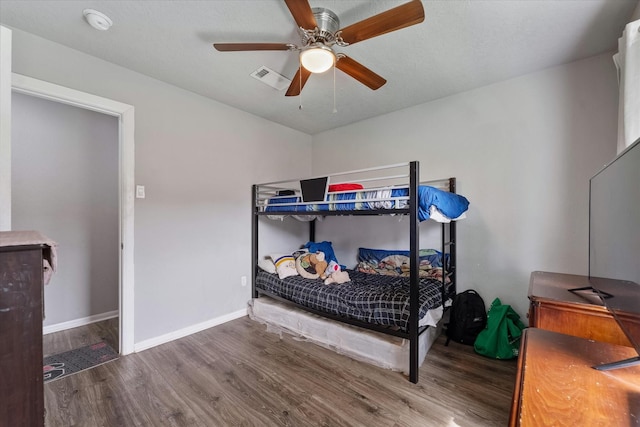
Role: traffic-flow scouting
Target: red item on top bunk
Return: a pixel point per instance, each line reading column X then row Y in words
column 345, row 187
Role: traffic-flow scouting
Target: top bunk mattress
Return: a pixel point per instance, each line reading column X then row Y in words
column 431, row 202
column 372, row 191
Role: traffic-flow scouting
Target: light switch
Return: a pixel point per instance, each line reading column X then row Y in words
column 139, row 191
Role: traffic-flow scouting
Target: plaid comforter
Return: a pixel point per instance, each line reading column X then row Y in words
column 379, row 299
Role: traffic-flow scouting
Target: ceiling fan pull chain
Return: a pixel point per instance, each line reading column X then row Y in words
column 335, row 110
column 300, row 82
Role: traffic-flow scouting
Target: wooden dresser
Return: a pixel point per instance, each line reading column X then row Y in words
column 557, row 386
column 21, row 314
column 553, row 307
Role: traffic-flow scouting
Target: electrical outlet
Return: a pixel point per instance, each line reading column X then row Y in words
column 243, row 280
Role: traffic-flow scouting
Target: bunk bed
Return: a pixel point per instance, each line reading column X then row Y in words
column 396, row 190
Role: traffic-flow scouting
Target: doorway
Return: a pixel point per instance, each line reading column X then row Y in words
column 65, row 184
column 124, row 115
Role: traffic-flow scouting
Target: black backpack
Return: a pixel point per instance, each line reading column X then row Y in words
column 467, row 318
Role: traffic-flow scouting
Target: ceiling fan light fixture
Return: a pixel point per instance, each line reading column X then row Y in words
column 317, row 58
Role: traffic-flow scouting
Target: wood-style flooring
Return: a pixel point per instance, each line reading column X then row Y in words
column 238, row 374
column 59, row 342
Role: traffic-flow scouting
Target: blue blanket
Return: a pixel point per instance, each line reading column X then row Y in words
column 449, row 204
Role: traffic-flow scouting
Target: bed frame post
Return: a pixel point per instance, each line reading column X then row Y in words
column 414, row 293
column 312, row 230
column 445, row 270
column 452, row 239
column 254, row 241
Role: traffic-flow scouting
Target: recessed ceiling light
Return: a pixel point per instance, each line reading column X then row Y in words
column 97, row 20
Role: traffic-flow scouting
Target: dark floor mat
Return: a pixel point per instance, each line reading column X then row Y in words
column 60, row 365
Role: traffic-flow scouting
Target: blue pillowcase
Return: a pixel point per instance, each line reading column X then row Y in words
column 325, row 247
column 374, row 256
column 450, row 204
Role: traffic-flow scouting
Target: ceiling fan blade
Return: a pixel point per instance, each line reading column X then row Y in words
column 302, row 13
column 298, row 82
column 234, row 47
column 393, row 19
column 360, row 72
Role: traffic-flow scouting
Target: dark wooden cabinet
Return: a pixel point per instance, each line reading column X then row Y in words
column 557, row 386
column 554, row 308
column 21, row 311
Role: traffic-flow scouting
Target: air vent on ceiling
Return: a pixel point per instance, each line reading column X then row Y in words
column 271, row 78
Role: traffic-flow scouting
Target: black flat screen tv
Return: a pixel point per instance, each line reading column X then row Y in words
column 314, row 189
column 614, row 244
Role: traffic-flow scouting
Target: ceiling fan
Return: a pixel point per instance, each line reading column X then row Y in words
column 320, row 30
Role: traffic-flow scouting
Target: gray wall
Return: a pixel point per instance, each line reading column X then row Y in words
column 523, row 151
column 65, row 184
column 197, row 159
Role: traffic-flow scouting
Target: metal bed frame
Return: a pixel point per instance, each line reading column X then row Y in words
column 448, row 246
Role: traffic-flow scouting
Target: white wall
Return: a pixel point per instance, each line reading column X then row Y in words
column 5, row 128
column 636, row 13
column 65, row 185
column 522, row 150
column 197, row 159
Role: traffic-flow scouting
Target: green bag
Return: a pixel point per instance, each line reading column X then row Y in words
column 500, row 339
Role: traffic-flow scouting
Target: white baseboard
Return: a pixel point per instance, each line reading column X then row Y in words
column 79, row 322
column 181, row 333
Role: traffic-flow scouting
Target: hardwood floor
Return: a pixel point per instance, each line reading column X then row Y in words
column 58, row 342
column 238, row 374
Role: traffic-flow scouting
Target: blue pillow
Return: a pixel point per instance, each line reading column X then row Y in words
column 325, row 247
column 374, row 256
column 451, row 205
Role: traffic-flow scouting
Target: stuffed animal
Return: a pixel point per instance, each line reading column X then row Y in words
column 318, row 262
column 312, row 265
column 338, row 277
column 332, row 268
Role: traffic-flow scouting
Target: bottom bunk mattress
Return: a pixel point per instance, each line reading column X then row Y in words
column 370, row 298
column 385, row 351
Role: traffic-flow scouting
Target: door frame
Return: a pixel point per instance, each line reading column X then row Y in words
column 5, row 128
column 125, row 114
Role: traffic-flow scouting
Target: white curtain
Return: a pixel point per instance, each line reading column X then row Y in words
column 627, row 61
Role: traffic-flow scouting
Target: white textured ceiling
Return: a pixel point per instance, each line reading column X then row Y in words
column 461, row 45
